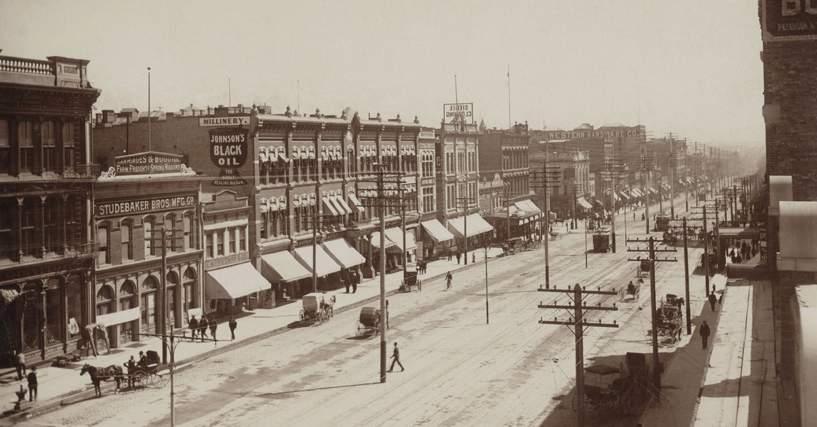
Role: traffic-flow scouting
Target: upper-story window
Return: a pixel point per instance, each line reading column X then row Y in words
column 5, row 147
column 173, row 239
column 103, row 239
column 126, row 238
column 150, row 239
column 26, row 144
column 69, row 145
column 189, row 235
column 49, row 142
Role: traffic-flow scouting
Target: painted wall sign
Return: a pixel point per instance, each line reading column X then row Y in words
column 224, row 121
column 106, row 209
column 228, row 151
column 147, row 163
column 465, row 110
column 788, row 20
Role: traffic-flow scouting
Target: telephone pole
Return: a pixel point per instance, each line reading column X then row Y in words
column 652, row 259
column 466, row 201
column 577, row 324
column 546, row 220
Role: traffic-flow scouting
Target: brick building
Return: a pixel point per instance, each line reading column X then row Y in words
column 46, row 257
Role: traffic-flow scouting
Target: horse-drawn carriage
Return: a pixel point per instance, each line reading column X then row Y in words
column 316, row 308
column 669, row 320
column 670, row 238
column 146, row 370
column 610, row 390
column 368, row 322
column 410, row 279
column 632, row 291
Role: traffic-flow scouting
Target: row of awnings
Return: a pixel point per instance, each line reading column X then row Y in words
column 385, row 150
column 334, row 205
column 243, row 279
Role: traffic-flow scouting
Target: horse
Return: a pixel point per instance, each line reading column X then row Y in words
column 99, row 374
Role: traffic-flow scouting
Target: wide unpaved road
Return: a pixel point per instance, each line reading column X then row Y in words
column 459, row 371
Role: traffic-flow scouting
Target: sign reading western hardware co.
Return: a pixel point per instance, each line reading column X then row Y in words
column 228, row 151
column 787, row 20
column 145, row 205
column 147, row 163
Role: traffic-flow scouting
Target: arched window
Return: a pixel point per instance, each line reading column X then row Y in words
column 148, row 229
column 103, row 239
column 104, row 300
column 127, row 301
column 126, row 237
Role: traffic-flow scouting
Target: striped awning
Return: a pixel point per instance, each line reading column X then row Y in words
column 584, row 203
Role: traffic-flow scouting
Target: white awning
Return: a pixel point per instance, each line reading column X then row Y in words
column 342, row 252
column 325, row 263
column 341, row 205
column 329, row 208
column 234, row 282
column 526, row 207
column 356, row 202
column 395, row 234
column 282, row 267
column 475, row 224
column 437, row 231
column 376, row 240
column 584, row 203
column 118, row 318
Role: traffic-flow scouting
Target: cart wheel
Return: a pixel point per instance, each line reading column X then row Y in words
column 139, row 378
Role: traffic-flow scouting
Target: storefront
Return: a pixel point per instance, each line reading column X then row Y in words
column 436, row 239
column 288, row 276
column 232, row 288
column 327, row 270
column 473, row 228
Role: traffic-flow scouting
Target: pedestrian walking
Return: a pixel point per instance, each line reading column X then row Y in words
column 21, row 365
column 448, row 278
column 32, row 384
column 203, row 327
column 448, row 254
column 345, row 284
column 213, row 328
column 712, row 300
column 705, row 334
column 395, row 358
column 233, row 324
column 193, row 325
column 473, row 258
column 459, row 256
column 354, row 286
column 387, row 314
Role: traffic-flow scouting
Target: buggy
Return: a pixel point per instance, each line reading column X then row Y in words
column 368, row 322
column 669, row 320
column 410, row 279
column 147, row 370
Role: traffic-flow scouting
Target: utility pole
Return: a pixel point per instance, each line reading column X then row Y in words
column 316, row 223
column 577, row 324
column 465, row 201
column 383, row 199
column 546, row 219
column 585, row 242
column 686, row 278
column 150, row 146
column 654, row 330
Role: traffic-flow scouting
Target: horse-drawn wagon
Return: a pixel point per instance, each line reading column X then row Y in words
column 316, row 308
column 410, row 279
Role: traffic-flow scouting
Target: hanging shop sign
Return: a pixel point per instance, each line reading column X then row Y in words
column 228, row 151
column 788, row 20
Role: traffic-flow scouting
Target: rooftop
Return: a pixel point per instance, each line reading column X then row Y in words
column 54, row 71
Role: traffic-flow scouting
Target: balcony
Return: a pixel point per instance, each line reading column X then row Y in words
column 27, row 71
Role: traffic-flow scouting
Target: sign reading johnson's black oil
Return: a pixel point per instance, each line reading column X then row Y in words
column 228, row 151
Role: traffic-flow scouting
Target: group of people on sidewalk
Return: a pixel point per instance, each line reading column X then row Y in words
column 201, row 326
column 31, row 379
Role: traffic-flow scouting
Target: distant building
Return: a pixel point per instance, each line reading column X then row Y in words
column 46, row 178
column 568, row 178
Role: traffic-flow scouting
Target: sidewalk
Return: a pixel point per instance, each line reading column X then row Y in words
column 57, row 384
column 731, row 383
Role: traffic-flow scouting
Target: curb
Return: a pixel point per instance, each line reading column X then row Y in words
column 88, row 392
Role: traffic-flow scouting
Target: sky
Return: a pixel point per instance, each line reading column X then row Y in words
column 688, row 67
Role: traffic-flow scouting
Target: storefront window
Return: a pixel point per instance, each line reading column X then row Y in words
column 127, row 301
column 73, row 291
column 53, row 301
column 32, row 316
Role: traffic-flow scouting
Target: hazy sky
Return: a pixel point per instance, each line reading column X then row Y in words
column 691, row 67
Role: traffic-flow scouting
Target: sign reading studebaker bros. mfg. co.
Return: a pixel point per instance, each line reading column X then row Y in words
column 788, row 20
column 112, row 208
column 228, row 151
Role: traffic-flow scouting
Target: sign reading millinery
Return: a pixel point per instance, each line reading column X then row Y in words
column 463, row 111
column 787, row 20
column 147, row 163
column 224, row 121
column 228, row 151
column 145, row 205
